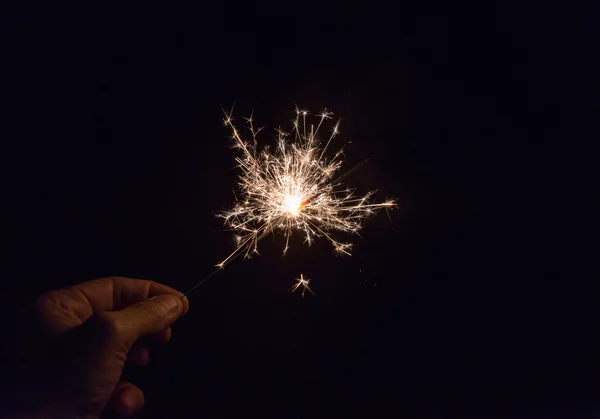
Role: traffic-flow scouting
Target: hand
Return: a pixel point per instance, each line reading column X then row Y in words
column 81, row 338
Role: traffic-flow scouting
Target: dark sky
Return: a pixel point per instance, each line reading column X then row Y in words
column 467, row 299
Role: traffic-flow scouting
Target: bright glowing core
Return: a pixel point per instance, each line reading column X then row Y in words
column 292, row 204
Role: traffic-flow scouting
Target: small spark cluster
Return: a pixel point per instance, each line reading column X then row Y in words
column 293, row 188
column 302, row 282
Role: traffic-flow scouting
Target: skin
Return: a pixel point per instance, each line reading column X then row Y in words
column 77, row 340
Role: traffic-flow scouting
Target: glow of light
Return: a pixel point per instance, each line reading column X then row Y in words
column 292, row 204
column 293, row 187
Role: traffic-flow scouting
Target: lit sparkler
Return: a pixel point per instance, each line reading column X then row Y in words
column 293, row 188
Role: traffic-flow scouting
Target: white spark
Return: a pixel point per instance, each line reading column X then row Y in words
column 301, row 282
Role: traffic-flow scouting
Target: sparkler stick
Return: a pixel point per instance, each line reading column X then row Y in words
column 218, row 269
column 292, row 188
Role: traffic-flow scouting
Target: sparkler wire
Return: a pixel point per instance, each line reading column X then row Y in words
column 218, row 269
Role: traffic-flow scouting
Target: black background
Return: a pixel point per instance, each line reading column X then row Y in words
column 468, row 298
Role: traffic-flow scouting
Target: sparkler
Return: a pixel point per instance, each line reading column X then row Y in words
column 292, row 188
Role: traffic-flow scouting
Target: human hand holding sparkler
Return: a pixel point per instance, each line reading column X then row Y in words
column 76, row 341
column 293, row 188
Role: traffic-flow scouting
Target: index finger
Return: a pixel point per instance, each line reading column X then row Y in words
column 116, row 293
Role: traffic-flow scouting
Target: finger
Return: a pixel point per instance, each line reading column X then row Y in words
column 138, row 355
column 145, row 318
column 116, row 293
column 58, row 311
column 127, row 399
column 61, row 310
column 160, row 338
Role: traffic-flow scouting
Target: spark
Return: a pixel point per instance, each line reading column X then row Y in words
column 301, row 282
column 293, row 188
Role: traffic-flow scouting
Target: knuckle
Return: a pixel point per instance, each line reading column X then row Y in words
column 49, row 300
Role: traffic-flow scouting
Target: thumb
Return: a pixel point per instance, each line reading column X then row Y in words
column 150, row 316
